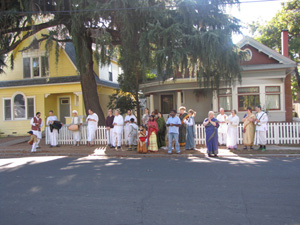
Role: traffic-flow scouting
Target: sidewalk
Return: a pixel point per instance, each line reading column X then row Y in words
column 18, row 147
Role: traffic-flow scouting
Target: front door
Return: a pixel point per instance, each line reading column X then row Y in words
column 64, row 109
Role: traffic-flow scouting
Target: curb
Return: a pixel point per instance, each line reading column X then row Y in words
column 6, row 155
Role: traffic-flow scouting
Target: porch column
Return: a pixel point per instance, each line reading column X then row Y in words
column 148, row 102
column 178, row 99
column 151, row 103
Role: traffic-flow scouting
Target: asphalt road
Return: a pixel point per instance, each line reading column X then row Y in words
column 149, row 191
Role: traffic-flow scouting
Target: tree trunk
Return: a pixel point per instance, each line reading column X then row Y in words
column 84, row 57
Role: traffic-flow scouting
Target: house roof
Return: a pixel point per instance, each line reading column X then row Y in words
column 70, row 50
column 39, row 81
column 263, row 48
column 52, row 80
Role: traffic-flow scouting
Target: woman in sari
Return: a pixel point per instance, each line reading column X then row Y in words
column 191, row 130
column 232, row 133
column 182, row 129
column 161, row 134
column 211, row 134
column 249, row 129
column 152, row 131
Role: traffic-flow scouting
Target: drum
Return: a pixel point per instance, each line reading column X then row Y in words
column 73, row 127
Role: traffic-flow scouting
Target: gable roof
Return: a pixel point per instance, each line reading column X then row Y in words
column 266, row 50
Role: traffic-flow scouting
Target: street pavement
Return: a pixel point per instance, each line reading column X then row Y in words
column 150, row 191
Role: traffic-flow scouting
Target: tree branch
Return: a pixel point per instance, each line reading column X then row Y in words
column 28, row 28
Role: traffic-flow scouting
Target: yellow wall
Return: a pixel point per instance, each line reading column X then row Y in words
column 42, row 104
column 64, row 66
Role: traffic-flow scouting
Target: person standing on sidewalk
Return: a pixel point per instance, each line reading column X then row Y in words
column 36, row 124
column 77, row 122
column 261, row 128
column 128, row 117
column 222, row 131
column 248, row 129
column 191, row 130
column 211, row 125
column 53, row 132
column 173, row 123
column 118, row 129
column 92, row 121
column 232, row 134
column 109, row 127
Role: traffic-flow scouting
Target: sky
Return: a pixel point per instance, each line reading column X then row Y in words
column 254, row 10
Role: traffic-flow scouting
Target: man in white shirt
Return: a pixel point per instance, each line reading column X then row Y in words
column 261, row 128
column 118, row 129
column 54, row 133
column 92, row 121
column 126, row 127
column 223, row 127
column 36, row 124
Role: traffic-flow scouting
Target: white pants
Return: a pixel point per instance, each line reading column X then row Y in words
column 76, row 136
column 126, row 131
column 260, row 137
column 33, row 148
column 117, row 137
column 54, row 137
column 91, row 133
column 222, row 138
column 38, row 134
column 109, row 136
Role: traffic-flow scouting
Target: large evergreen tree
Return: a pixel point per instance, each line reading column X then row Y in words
column 168, row 35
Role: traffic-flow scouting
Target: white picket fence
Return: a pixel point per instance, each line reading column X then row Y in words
column 278, row 133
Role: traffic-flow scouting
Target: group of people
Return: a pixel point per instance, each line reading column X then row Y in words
column 151, row 135
column 223, row 130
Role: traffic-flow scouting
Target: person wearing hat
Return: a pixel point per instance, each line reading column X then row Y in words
column 76, row 132
column 33, row 141
column 36, row 124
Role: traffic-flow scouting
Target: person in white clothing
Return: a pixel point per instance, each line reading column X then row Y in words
column 261, row 128
column 222, row 131
column 126, row 127
column 118, row 129
column 54, row 133
column 232, row 134
column 36, row 125
column 132, row 134
column 76, row 133
column 92, row 120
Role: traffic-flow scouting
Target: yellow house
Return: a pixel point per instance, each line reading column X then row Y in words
column 38, row 83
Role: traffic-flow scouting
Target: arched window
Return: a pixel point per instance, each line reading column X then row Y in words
column 19, row 107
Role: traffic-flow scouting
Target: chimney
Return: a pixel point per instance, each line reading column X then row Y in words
column 287, row 80
column 285, row 43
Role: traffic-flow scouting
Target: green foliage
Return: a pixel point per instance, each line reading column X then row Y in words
column 150, row 76
column 122, row 101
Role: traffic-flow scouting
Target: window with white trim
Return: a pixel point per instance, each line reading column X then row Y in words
column 18, row 107
column 225, row 99
column 248, row 97
column 35, row 66
column 273, row 97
